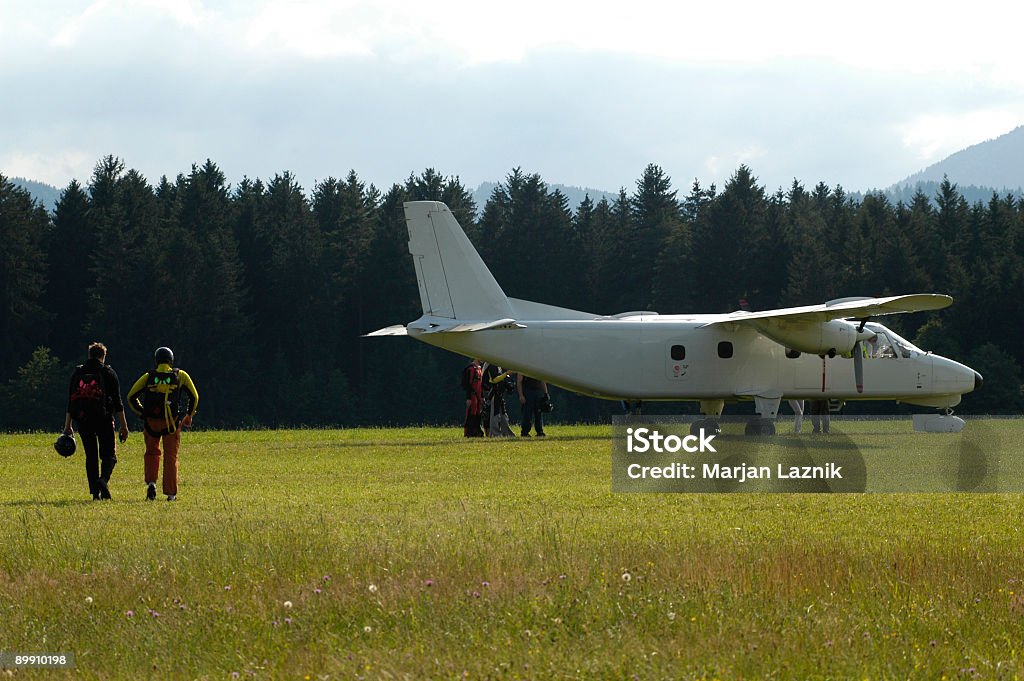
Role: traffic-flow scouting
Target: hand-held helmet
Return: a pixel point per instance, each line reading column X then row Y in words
column 163, row 356
column 65, row 445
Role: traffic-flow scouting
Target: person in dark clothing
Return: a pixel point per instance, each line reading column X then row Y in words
column 94, row 398
column 495, row 417
column 820, row 416
column 532, row 394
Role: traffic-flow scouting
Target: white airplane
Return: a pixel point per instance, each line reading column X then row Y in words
column 830, row 351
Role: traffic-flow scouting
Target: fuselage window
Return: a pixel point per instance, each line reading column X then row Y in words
column 792, row 354
column 678, row 352
column 725, row 349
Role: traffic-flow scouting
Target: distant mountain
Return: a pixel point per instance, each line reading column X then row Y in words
column 997, row 163
column 971, row 192
column 43, row 193
column 574, row 194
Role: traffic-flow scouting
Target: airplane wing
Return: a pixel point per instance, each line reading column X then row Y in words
column 843, row 308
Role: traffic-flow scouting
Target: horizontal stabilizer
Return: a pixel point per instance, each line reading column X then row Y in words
column 466, row 327
column 396, row 330
column 633, row 314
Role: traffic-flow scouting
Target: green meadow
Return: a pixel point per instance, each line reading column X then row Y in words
column 413, row 553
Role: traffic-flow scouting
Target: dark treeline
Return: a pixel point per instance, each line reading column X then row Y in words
column 264, row 291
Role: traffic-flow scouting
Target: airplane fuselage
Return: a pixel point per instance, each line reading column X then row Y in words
column 668, row 357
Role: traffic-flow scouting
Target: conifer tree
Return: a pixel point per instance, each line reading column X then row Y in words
column 23, row 228
column 201, row 277
column 69, row 247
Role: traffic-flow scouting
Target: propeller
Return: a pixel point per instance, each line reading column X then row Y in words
column 858, row 355
column 858, row 367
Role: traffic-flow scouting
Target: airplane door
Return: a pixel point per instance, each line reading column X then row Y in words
column 924, row 369
column 677, row 366
column 684, row 368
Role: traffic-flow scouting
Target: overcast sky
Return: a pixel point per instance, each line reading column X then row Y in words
column 858, row 94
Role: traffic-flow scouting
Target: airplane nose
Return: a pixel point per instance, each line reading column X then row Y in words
column 978, row 380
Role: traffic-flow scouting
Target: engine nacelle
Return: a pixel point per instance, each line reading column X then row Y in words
column 835, row 337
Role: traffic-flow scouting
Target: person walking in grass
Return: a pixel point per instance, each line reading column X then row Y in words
column 94, row 398
column 166, row 399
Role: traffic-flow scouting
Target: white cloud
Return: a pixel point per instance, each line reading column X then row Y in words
column 714, row 166
column 878, row 35
column 905, row 37
column 721, row 165
column 108, row 17
column 932, row 137
column 315, row 30
column 53, row 168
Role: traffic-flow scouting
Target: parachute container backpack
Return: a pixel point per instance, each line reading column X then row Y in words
column 160, row 400
column 88, row 397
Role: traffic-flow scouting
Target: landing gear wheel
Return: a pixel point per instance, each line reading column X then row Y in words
column 760, row 426
column 709, row 426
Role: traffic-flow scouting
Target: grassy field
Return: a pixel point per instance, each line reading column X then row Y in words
column 414, row 553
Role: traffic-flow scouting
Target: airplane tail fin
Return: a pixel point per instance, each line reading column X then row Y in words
column 454, row 282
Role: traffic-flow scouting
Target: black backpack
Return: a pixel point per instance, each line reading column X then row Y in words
column 88, row 394
column 161, row 391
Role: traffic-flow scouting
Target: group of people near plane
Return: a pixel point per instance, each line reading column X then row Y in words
column 820, row 420
column 486, row 386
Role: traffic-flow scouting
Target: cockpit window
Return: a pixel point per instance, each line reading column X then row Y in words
column 888, row 344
